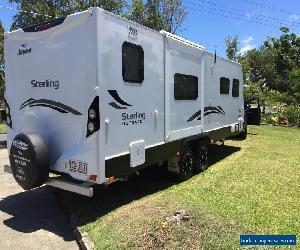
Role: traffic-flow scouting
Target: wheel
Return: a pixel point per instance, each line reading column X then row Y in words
column 185, row 163
column 243, row 134
column 201, row 156
column 29, row 160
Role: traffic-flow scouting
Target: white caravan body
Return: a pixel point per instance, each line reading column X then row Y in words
column 56, row 71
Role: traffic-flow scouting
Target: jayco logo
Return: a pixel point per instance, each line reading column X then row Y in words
column 24, row 49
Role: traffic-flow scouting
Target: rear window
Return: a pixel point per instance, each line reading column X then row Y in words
column 185, row 87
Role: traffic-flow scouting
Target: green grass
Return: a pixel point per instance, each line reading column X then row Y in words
column 2, row 128
column 255, row 189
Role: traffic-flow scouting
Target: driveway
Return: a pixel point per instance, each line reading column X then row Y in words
column 31, row 219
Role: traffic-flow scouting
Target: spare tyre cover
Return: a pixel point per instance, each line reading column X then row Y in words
column 29, row 160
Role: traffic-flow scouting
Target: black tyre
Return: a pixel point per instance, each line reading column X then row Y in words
column 243, row 134
column 201, row 156
column 185, row 163
column 29, row 160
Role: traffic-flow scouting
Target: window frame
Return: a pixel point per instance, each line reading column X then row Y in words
column 228, row 87
column 234, row 81
column 197, row 87
column 141, row 62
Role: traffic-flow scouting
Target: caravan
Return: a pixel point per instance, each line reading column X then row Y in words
column 93, row 97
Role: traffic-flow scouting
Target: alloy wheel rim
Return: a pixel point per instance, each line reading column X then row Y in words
column 203, row 156
column 187, row 163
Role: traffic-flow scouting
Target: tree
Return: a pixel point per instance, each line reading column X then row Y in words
column 173, row 14
column 2, row 83
column 136, row 12
column 231, row 47
column 158, row 14
column 272, row 71
column 154, row 18
column 38, row 11
column 294, row 93
column 286, row 57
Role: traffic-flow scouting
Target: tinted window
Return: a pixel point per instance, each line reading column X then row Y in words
column 132, row 63
column 185, row 87
column 235, row 87
column 224, row 85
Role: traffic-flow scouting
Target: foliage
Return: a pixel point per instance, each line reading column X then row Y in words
column 294, row 91
column 173, row 14
column 47, row 10
column 158, row 14
column 285, row 51
column 292, row 114
column 231, row 47
column 2, row 128
column 275, row 67
column 153, row 17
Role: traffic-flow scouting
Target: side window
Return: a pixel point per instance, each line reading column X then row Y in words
column 185, row 87
column 132, row 63
column 235, row 88
column 224, row 85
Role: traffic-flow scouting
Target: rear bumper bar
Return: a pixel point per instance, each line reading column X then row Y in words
column 59, row 182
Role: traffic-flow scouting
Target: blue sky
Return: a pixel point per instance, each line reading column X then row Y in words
column 210, row 21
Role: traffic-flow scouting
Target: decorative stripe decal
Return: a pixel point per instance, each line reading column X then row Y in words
column 212, row 112
column 60, row 107
column 116, row 96
column 24, row 103
column 116, row 106
column 218, row 108
column 207, row 111
column 194, row 116
column 48, row 106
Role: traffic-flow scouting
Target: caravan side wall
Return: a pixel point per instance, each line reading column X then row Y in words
column 222, row 109
column 139, row 113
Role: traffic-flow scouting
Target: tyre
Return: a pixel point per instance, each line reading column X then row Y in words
column 185, row 163
column 201, row 156
column 29, row 160
column 243, row 134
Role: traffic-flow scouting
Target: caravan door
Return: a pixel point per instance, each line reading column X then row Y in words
column 184, row 74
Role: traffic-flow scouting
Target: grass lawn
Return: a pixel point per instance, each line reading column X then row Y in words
column 252, row 186
column 2, row 128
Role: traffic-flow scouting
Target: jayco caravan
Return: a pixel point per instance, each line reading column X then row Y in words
column 93, row 97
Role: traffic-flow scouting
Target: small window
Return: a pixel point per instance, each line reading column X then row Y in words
column 185, row 87
column 132, row 63
column 224, row 85
column 235, row 88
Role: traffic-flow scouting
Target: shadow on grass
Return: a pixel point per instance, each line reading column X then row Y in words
column 151, row 180
column 219, row 152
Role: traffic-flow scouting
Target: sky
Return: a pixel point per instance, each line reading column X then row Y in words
column 208, row 22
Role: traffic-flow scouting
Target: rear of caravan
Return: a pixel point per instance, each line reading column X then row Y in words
column 52, row 93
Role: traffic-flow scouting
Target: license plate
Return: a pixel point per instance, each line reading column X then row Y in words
column 77, row 166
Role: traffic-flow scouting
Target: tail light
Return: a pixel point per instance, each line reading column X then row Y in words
column 93, row 122
column 8, row 115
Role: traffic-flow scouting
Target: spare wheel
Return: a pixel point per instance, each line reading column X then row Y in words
column 29, row 160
